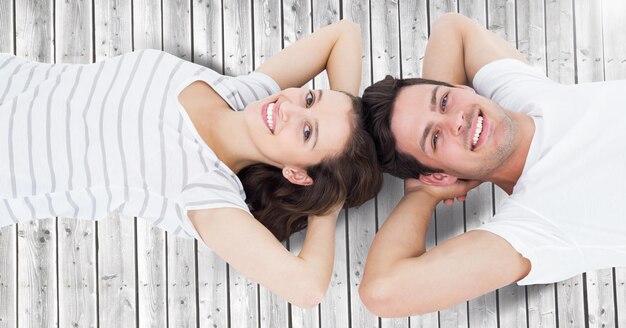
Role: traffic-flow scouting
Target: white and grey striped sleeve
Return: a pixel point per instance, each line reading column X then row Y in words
column 245, row 89
column 214, row 189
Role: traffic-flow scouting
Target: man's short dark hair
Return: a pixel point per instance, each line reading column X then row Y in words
column 378, row 101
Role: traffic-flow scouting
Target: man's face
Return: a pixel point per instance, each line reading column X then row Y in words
column 453, row 129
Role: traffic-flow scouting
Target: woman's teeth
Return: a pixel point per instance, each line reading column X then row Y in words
column 479, row 129
column 270, row 116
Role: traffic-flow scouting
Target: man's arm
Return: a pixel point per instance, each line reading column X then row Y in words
column 402, row 279
column 458, row 47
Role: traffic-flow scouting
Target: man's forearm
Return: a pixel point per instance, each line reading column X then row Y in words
column 402, row 236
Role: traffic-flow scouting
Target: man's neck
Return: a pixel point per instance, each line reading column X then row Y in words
column 507, row 176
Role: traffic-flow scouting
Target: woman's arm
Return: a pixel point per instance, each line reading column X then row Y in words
column 336, row 48
column 252, row 250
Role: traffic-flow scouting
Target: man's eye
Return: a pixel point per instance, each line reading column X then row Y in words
column 435, row 139
column 307, row 132
column 444, row 102
column 310, row 97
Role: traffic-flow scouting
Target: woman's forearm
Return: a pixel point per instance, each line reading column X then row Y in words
column 344, row 63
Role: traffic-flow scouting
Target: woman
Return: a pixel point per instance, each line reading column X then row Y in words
column 153, row 136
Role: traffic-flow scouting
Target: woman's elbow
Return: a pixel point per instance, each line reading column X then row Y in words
column 309, row 297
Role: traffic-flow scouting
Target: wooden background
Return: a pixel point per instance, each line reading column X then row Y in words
column 121, row 272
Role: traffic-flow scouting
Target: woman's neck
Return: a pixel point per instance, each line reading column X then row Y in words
column 221, row 128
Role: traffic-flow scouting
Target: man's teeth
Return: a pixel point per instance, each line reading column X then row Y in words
column 270, row 116
column 479, row 129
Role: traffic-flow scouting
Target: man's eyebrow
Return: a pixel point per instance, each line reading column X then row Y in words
column 429, row 126
column 433, row 99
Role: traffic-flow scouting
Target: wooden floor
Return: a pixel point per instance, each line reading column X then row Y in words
column 120, row 272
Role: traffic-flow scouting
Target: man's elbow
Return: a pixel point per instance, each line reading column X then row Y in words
column 378, row 297
column 450, row 22
column 381, row 297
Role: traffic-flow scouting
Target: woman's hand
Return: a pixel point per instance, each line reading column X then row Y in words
column 447, row 194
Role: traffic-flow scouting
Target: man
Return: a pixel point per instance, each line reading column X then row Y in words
column 559, row 151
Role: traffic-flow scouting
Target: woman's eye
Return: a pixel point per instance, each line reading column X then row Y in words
column 435, row 139
column 444, row 102
column 310, row 97
column 307, row 132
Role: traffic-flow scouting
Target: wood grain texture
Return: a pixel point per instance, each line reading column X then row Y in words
column 8, row 277
column 6, row 26
column 37, row 274
column 112, row 28
column 116, row 271
column 34, row 30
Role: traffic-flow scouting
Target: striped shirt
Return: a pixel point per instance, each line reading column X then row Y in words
column 82, row 141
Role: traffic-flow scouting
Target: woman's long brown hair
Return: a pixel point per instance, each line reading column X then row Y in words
column 352, row 176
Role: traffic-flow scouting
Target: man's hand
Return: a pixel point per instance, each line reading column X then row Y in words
column 447, row 194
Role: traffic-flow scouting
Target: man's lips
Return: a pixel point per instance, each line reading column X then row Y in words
column 476, row 132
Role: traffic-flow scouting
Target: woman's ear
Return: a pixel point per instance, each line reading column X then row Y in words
column 438, row 179
column 297, row 176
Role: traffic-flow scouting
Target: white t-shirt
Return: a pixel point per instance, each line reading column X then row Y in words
column 81, row 141
column 567, row 213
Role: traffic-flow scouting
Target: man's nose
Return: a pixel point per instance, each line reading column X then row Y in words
column 457, row 123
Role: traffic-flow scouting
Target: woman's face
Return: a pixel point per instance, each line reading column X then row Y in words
column 298, row 127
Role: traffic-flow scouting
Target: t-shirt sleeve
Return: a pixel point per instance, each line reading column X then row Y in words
column 552, row 255
column 242, row 90
column 511, row 83
column 214, row 189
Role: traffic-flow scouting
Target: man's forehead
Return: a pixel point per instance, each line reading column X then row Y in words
column 407, row 115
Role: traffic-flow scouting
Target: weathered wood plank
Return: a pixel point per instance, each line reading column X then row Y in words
column 414, row 27
column 511, row 298
column 208, row 49
column 151, row 252
column 361, row 221
column 181, row 253
column 298, row 23
column 77, row 273
column 34, row 30
column 615, row 68
column 213, row 308
column 385, row 49
column 482, row 310
column 6, row 27
column 113, row 31
column 8, row 277
column 238, row 59
column 267, row 30
column 531, row 41
column 37, row 274
column 450, row 219
column 147, row 24
column 76, row 238
column 151, row 275
column 36, row 243
column 8, row 243
column 116, row 271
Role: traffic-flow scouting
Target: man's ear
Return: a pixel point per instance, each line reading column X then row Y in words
column 297, row 176
column 438, row 179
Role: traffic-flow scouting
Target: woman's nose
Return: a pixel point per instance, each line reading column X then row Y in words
column 290, row 110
